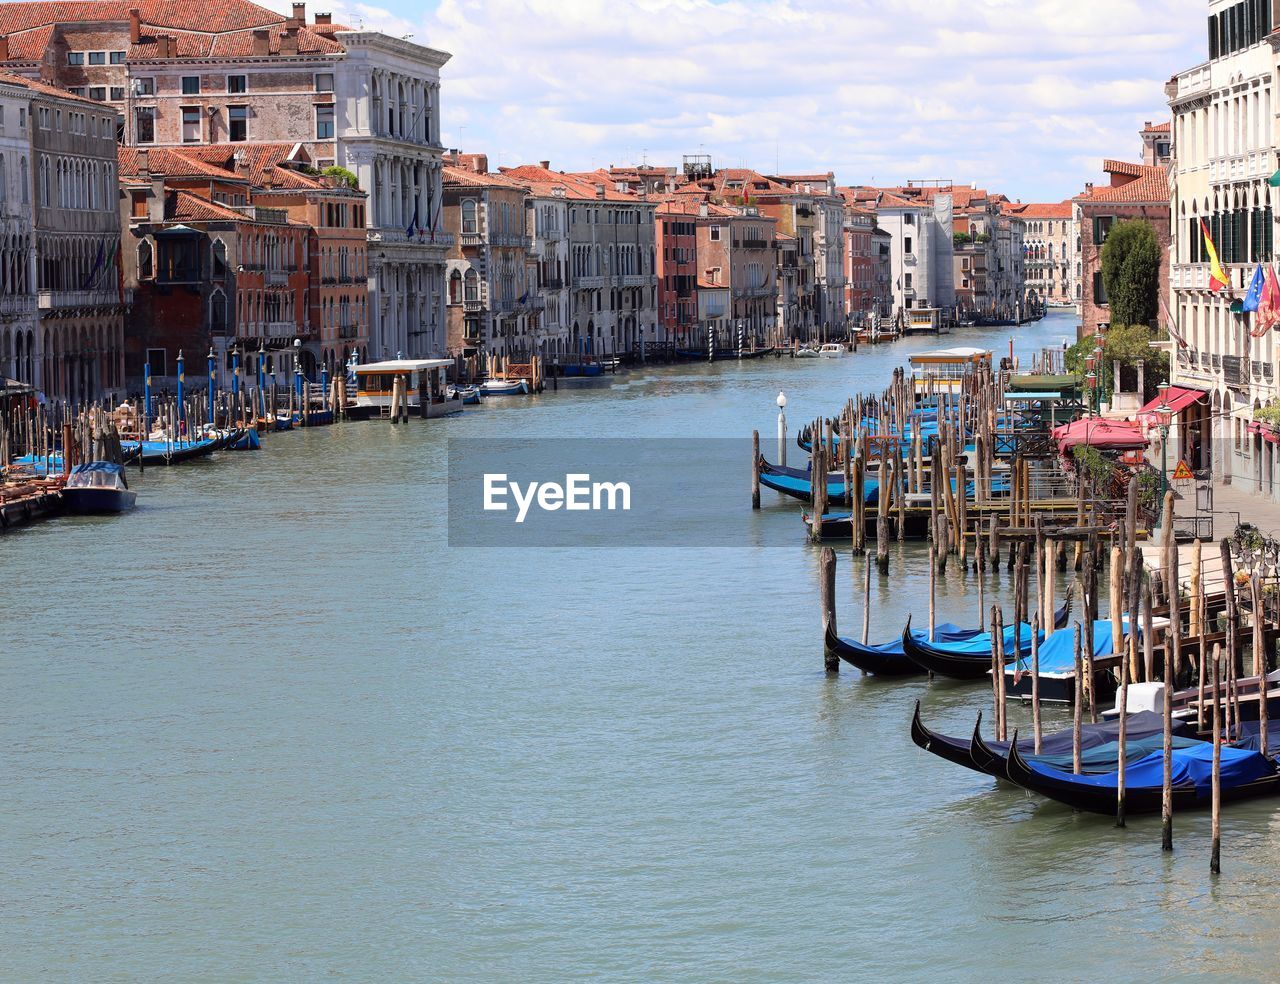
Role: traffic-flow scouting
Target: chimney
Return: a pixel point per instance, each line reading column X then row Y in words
column 135, row 25
column 155, row 204
column 1146, row 124
column 242, row 164
column 4, row 47
column 299, row 14
column 545, row 165
column 480, row 163
column 269, row 173
column 289, row 41
column 1088, row 187
column 599, row 191
column 324, row 20
column 261, row 42
column 144, row 164
column 168, row 46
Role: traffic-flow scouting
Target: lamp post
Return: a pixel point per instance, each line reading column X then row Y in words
column 182, row 381
column 782, row 428
column 1164, row 417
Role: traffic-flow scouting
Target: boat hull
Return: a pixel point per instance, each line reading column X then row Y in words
column 90, row 501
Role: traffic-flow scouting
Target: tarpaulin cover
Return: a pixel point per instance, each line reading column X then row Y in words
column 1192, row 766
column 1058, row 652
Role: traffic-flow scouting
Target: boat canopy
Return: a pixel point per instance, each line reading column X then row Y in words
column 403, row 365
column 962, row 353
column 1057, row 654
column 1105, row 435
column 1192, row 766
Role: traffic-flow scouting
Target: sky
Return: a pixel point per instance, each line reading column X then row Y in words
column 1025, row 97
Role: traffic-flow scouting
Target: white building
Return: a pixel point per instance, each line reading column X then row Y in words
column 21, row 349
column 921, row 251
column 1224, row 141
column 387, row 119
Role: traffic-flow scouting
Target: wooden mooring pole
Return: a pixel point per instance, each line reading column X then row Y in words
column 827, row 581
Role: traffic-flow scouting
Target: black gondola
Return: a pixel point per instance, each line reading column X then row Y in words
column 944, row 746
column 959, row 665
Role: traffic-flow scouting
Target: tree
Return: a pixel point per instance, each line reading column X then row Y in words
column 343, row 175
column 1131, row 272
column 1128, row 345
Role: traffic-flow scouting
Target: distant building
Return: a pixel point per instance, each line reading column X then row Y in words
column 1135, row 191
column 1052, row 250
column 859, row 265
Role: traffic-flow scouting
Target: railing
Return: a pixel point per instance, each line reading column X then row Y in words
column 1242, row 166
column 348, row 331
column 277, row 278
column 1193, row 82
column 471, row 239
column 755, row 244
column 50, row 299
column 553, row 283
column 392, row 235
column 1235, row 370
column 12, row 304
column 476, row 305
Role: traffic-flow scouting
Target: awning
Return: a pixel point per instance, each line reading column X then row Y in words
column 1274, row 180
column 1095, row 432
column 1178, row 399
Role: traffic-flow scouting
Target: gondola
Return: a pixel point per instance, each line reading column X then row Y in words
column 1058, row 668
column 797, row 483
column 952, row 749
column 175, row 452
column 971, row 659
column 1099, row 746
column 1245, row 774
column 887, row 658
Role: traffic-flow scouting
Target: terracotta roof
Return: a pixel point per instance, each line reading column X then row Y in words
column 1149, row 185
column 1039, row 210
column 477, row 179
column 183, row 206
column 579, row 187
column 260, row 159
column 220, row 28
column 165, row 162
column 49, row 90
column 1158, row 128
column 1123, row 167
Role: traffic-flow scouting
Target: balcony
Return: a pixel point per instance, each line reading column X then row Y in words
column 553, row 283
column 48, row 300
column 755, row 244
column 1241, row 167
column 16, row 305
column 348, row 331
column 470, row 239
column 1193, row 82
column 1189, row 276
column 277, row 278
column 1235, row 370
column 476, row 305
column 391, row 235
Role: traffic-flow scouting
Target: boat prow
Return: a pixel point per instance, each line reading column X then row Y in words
column 943, row 746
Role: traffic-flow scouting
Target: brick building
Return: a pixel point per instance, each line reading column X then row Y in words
column 1135, row 191
column 859, row 267
column 676, row 248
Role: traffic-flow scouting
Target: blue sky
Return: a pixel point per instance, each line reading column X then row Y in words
column 1020, row 96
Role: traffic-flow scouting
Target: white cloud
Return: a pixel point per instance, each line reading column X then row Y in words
column 1024, row 96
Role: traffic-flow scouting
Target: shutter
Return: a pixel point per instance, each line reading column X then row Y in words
column 1213, row 37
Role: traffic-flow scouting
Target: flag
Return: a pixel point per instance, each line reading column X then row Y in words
column 413, row 222
column 1268, row 306
column 1174, row 331
column 1254, row 294
column 97, row 265
column 1217, row 278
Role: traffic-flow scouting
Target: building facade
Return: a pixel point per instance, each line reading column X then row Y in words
column 1052, row 250
column 859, row 265
column 21, row 338
column 676, row 248
column 1224, row 139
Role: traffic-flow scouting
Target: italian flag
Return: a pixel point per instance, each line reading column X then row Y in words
column 1217, row 276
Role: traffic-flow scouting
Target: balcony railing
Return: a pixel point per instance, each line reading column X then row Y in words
column 1235, row 370
column 50, row 299
column 277, row 278
column 397, row 235
column 17, row 304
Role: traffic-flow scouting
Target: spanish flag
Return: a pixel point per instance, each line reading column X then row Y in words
column 1217, row 277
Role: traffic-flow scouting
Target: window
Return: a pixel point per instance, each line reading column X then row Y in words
column 1101, row 227
column 910, row 282
column 907, row 243
column 97, row 58
column 237, row 83
column 470, row 223
column 191, row 85
column 909, row 219
column 144, row 261
column 715, row 234
column 75, row 57
column 117, row 58
column 324, row 82
column 156, row 362
column 144, row 124
column 324, row 122
column 144, row 87
column 22, row 116
column 78, row 90
column 238, row 123
column 98, row 93
column 1099, row 290
column 117, row 93
column 190, row 124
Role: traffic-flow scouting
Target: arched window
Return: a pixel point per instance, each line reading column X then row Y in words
column 218, row 311
column 144, row 260
column 455, row 287
column 473, row 286
column 219, row 253
column 470, row 225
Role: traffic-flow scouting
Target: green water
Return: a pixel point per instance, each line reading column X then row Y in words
column 270, row 726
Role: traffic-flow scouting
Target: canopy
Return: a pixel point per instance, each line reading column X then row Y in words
column 1106, row 435
column 110, row 467
column 1178, row 399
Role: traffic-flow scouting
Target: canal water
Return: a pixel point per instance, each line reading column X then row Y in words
column 271, row 726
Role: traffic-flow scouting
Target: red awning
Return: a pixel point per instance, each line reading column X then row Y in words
column 1178, row 398
column 1106, row 435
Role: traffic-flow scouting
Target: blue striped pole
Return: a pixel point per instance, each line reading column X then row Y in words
column 146, row 400
column 182, row 380
column 213, row 376
column 235, row 372
column 262, row 381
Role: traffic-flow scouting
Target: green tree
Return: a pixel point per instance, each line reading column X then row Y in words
column 1131, row 272
column 1127, row 345
column 343, row 175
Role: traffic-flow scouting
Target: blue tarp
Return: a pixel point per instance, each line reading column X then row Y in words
column 943, row 632
column 1058, row 652
column 980, row 643
column 1192, row 766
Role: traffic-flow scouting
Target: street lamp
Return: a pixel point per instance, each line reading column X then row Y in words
column 782, row 428
column 1164, row 417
